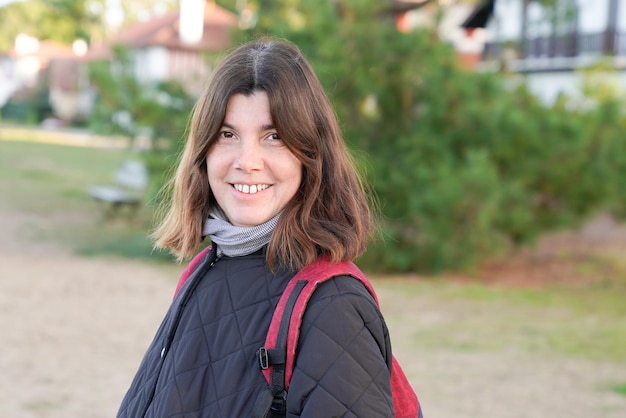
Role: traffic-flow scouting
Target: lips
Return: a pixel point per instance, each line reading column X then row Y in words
column 250, row 188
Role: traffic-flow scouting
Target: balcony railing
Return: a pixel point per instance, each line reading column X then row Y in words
column 608, row 43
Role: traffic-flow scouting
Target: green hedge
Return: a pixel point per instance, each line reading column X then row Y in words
column 465, row 165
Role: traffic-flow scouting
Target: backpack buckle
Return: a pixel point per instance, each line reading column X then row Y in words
column 264, row 358
column 279, row 404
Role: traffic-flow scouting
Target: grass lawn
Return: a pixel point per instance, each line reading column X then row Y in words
column 578, row 321
column 47, row 184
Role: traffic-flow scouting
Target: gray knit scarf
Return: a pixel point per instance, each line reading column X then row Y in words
column 235, row 241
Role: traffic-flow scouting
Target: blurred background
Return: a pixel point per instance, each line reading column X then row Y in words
column 491, row 132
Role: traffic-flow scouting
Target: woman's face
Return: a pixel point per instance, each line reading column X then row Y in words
column 252, row 174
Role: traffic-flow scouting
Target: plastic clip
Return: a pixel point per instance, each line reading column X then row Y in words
column 264, row 359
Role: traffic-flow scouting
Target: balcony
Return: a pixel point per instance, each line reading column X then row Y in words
column 558, row 52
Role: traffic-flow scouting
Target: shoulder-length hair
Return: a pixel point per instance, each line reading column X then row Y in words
column 329, row 214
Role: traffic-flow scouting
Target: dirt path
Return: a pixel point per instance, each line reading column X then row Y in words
column 74, row 330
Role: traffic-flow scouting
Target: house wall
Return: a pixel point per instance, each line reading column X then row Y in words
column 548, row 77
column 188, row 67
column 156, row 64
column 9, row 81
column 548, row 86
column 151, row 64
column 621, row 12
column 592, row 17
column 506, row 24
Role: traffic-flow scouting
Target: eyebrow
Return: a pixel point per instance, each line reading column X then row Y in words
column 268, row 127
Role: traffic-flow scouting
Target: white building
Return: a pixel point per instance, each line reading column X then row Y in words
column 551, row 45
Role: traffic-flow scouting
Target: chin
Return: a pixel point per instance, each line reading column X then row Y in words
column 248, row 222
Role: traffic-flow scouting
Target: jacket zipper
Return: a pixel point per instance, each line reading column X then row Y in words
column 184, row 296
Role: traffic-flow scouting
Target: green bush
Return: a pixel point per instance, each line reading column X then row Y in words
column 29, row 105
column 465, row 165
column 460, row 203
column 159, row 110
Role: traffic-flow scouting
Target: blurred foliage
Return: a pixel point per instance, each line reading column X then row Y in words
column 156, row 112
column 30, row 105
column 59, row 20
column 66, row 20
column 465, row 165
column 130, row 107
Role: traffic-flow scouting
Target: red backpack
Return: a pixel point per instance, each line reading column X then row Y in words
column 277, row 356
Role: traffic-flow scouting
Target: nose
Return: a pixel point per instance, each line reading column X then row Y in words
column 249, row 157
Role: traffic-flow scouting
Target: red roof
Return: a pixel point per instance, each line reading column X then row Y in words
column 164, row 31
column 47, row 51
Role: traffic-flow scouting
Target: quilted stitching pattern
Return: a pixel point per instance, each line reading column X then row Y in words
column 211, row 368
column 342, row 338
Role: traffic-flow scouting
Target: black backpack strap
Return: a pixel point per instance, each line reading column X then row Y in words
column 274, row 397
column 277, row 356
column 270, row 404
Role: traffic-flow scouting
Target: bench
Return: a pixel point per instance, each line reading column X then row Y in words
column 131, row 181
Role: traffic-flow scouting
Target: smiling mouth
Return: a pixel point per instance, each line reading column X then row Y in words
column 250, row 189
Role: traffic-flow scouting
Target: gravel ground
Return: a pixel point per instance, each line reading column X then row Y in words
column 74, row 330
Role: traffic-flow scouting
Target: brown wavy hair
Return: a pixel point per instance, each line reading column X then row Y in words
column 329, row 214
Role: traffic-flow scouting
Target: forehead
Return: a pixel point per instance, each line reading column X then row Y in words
column 248, row 108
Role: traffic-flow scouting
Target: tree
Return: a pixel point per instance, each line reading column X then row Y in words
column 129, row 107
column 59, row 20
column 463, row 164
column 66, row 20
column 158, row 111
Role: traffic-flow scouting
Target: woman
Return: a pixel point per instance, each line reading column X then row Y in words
column 265, row 175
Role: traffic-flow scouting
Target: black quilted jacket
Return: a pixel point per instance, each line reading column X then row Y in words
column 203, row 361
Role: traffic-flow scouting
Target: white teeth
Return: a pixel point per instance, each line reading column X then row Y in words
column 245, row 188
